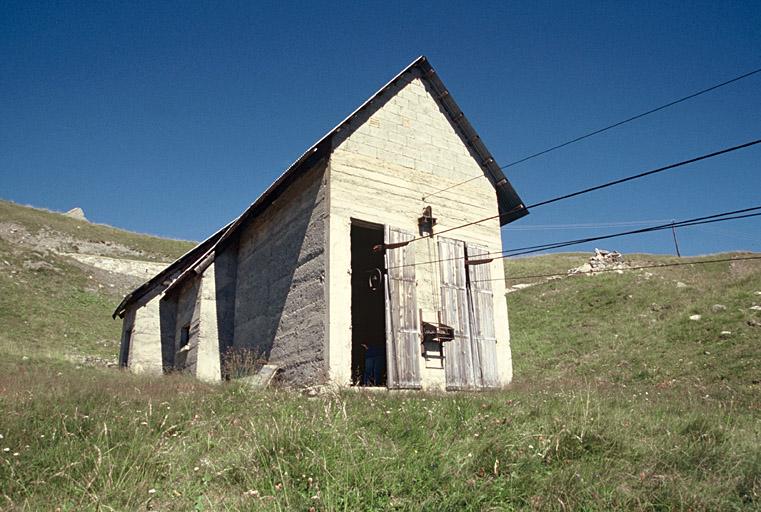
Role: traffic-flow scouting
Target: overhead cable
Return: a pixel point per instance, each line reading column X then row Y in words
column 604, row 129
column 640, row 267
column 667, row 225
column 602, row 186
column 707, row 219
column 639, row 231
column 591, row 225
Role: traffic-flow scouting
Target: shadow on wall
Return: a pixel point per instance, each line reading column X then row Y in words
column 168, row 318
column 279, row 297
column 226, row 270
column 180, row 313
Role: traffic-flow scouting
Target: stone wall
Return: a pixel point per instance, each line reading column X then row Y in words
column 136, row 268
column 128, row 322
column 208, row 363
column 192, row 304
column 279, row 295
column 168, row 319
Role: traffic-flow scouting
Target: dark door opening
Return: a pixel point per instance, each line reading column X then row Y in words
column 124, row 354
column 368, row 307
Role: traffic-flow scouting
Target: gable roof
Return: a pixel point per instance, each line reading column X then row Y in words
column 511, row 206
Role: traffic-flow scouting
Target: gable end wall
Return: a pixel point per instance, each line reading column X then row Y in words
column 380, row 169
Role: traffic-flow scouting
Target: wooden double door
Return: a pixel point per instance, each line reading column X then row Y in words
column 467, row 304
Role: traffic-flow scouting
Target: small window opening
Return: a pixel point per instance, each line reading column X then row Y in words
column 368, row 307
column 184, row 336
column 181, row 356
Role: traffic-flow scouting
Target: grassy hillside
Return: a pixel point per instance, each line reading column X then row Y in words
column 53, row 311
column 636, row 327
column 620, row 401
column 49, row 305
column 56, row 225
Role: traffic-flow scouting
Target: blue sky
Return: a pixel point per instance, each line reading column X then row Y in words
column 170, row 118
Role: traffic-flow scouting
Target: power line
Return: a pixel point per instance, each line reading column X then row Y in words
column 719, row 217
column 702, row 262
column 591, row 225
column 668, row 225
column 648, row 173
column 640, row 231
column 601, row 130
column 707, row 219
column 602, row 186
column 633, row 118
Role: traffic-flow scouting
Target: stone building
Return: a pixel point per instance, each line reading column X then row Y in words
column 335, row 262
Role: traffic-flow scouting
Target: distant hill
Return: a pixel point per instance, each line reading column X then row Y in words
column 60, row 231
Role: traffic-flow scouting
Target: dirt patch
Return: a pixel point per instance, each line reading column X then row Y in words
column 143, row 270
column 114, row 276
column 743, row 268
column 110, row 267
column 47, row 239
column 39, row 265
column 108, row 282
column 87, row 360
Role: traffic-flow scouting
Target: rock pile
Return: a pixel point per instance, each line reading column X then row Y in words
column 601, row 261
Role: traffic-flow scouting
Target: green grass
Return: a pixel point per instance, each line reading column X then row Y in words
column 540, row 265
column 61, row 312
column 619, row 402
column 636, row 326
column 53, row 313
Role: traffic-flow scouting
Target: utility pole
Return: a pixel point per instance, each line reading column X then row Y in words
column 676, row 244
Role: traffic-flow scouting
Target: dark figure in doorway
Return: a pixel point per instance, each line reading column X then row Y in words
column 375, row 362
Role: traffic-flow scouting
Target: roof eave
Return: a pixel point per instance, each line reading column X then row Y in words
column 177, row 266
column 511, row 207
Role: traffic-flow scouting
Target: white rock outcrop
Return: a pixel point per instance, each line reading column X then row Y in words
column 77, row 213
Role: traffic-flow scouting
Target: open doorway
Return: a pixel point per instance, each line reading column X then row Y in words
column 368, row 306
